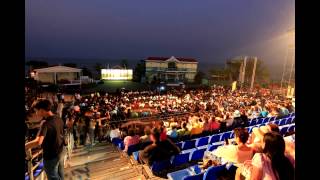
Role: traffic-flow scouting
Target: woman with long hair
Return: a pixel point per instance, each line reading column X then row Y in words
column 271, row 164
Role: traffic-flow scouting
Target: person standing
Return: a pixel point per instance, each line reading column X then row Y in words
column 51, row 138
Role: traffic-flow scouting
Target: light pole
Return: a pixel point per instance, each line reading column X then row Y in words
column 254, row 72
column 289, row 64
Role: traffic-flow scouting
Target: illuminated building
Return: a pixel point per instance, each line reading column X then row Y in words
column 116, row 74
column 170, row 69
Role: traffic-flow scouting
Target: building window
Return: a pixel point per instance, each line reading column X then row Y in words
column 172, row 65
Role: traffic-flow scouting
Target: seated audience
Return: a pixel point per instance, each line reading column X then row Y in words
column 270, row 164
column 146, row 136
column 184, row 130
column 158, row 150
column 172, row 133
column 236, row 153
column 115, row 132
column 131, row 139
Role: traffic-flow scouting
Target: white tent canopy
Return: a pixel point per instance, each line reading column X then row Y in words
column 57, row 69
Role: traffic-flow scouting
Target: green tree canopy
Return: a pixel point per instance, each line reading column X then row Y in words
column 198, row 77
column 86, row 72
column 139, row 71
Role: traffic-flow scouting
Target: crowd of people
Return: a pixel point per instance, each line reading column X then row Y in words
column 101, row 117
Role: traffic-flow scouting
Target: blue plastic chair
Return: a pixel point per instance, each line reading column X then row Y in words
column 225, row 135
column 133, row 148
column 136, row 155
column 211, row 173
column 179, row 144
column 259, row 121
column 159, row 166
column 40, row 165
column 121, row 145
column 180, row 159
column 253, row 122
column 273, row 118
column 291, row 128
column 287, row 120
column 194, row 177
column 215, row 138
column 293, row 119
column 202, row 141
column 250, row 130
column 265, row 120
column 189, row 144
column 188, row 150
column 195, row 169
column 284, row 130
column 37, row 172
column 203, row 147
column 178, row 175
column 116, row 141
column 213, row 147
column 232, row 135
column 292, row 114
column 276, row 122
column 196, row 155
column 282, row 122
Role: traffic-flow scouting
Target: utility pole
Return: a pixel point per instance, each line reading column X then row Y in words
column 254, row 72
column 243, row 71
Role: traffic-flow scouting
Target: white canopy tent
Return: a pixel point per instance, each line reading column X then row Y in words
column 50, row 74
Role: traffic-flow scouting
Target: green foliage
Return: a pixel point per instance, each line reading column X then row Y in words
column 86, row 72
column 198, row 77
column 138, row 72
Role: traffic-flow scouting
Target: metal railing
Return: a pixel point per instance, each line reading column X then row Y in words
column 31, row 156
column 31, row 167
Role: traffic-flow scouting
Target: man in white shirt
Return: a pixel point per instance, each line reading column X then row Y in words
column 115, row 132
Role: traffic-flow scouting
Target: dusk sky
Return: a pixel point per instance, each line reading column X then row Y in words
column 208, row 30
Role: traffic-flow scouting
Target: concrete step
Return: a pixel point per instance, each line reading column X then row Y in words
column 104, row 162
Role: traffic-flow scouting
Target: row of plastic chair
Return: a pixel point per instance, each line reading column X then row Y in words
column 196, row 153
column 230, row 134
column 191, row 155
column 202, row 141
column 272, row 119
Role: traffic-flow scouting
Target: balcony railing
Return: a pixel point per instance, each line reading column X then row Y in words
column 169, row 69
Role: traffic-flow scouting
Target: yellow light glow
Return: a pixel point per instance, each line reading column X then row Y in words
column 116, row 74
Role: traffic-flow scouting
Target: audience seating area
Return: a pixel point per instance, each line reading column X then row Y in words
column 193, row 150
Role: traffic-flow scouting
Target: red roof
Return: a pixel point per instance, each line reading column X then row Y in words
column 166, row 58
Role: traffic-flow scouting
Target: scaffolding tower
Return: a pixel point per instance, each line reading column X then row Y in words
column 288, row 74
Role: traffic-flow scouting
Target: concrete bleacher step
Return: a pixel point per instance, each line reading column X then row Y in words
column 103, row 162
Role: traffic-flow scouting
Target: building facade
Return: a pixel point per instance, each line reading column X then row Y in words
column 170, row 69
column 57, row 74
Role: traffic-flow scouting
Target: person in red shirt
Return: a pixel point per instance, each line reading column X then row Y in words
column 214, row 125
